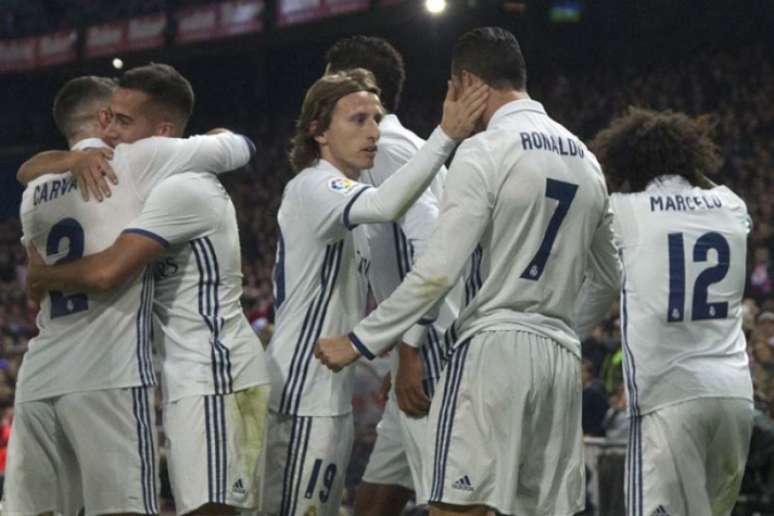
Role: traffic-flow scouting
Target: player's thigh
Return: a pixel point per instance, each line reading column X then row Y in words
column 307, row 458
column 216, row 449
column 41, row 472
column 729, row 447
column 666, row 460
column 498, row 392
column 388, row 463
column 380, row 499
column 113, row 433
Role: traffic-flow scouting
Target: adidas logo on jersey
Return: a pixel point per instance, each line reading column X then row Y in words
column 463, row 484
column 660, row 511
column 239, row 487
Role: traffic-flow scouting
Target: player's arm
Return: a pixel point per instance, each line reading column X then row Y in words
column 603, row 277
column 90, row 167
column 390, row 201
column 153, row 160
column 100, row 272
column 467, row 204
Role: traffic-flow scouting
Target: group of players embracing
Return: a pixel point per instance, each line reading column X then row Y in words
column 487, row 277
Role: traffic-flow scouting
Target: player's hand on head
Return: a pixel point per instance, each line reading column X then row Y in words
column 463, row 110
column 93, row 171
column 409, row 390
column 335, row 352
column 35, row 290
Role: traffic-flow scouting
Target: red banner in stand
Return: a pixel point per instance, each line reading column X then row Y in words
column 109, row 38
column 146, row 32
column 300, row 11
column 219, row 20
column 57, row 48
column 18, row 54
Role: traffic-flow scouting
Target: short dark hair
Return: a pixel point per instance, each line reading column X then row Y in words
column 319, row 103
column 79, row 100
column 377, row 56
column 169, row 91
column 494, row 55
column 643, row 144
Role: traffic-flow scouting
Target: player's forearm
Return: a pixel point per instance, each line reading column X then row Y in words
column 394, row 197
column 46, row 162
column 90, row 274
column 417, row 295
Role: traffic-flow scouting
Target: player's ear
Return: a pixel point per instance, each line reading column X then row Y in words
column 165, row 129
column 104, row 116
column 322, row 138
column 470, row 80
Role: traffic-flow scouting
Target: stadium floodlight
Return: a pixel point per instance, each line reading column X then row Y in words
column 118, row 63
column 435, row 6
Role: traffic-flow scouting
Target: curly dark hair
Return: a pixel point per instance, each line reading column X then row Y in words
column 377, row 56
column 643, row 144
column 317, row 110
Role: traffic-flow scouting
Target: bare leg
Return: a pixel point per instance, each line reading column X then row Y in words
column 214, row 509
column 445, row 509
column 380, row 499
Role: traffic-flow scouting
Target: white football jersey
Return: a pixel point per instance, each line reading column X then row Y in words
column 102, row 341
column 529, row 202
column 684, row 256
column 393, row 246
column 319, row 289
column 207, row 342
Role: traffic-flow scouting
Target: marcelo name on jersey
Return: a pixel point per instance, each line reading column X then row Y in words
column 677, row 202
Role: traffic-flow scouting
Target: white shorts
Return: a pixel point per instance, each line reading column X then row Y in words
column 396, row 457
column 506, row 418
column 216, row 448
column 306, row 464
column 688, row 459
column 94, row 449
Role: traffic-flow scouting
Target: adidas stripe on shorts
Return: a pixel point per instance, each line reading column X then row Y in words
column 505, row 427
column 217, row 448
column 306, row 464
column 688, row 459
column 95, row 449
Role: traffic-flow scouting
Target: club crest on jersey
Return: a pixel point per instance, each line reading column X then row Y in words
column 342, row 185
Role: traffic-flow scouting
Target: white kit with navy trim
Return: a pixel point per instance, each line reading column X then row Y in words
column 207, row 342
column 102, row 341
column 684, row 253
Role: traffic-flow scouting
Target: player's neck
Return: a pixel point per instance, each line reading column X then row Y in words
column 499, row 98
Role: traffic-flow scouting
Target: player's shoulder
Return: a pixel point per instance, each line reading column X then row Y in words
column 187, row 186
column 319, row 179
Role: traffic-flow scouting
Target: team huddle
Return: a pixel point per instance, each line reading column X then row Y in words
column 487, row 277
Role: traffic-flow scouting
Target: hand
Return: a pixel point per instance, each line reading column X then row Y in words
column 35, row 263
column 91, row 169
column 335, row 352
column 461, row 115
column 408, row 382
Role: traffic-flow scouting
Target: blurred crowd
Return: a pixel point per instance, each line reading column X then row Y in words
column 736, row 89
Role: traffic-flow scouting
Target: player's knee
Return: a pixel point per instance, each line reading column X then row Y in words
column 214, row 509
column 447, row 509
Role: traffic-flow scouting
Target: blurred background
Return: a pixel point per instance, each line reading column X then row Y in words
column 250, row 61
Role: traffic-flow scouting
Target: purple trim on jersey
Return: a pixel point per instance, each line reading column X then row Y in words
column 425, row 321
column 145, row 448
column 250, row 146
column 149, row 234
column 345, row 216
column 355, row 340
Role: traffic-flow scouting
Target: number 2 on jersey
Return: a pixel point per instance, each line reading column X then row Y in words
column 701, row 309
column 70, row 229
column 564, row 193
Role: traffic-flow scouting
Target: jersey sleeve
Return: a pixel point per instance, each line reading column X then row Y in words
column 177, row 210
column 152, row 160
column 467, row 203
column 327, row 198
column 603, row 276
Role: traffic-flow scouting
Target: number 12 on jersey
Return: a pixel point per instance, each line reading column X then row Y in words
column 701, row 308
